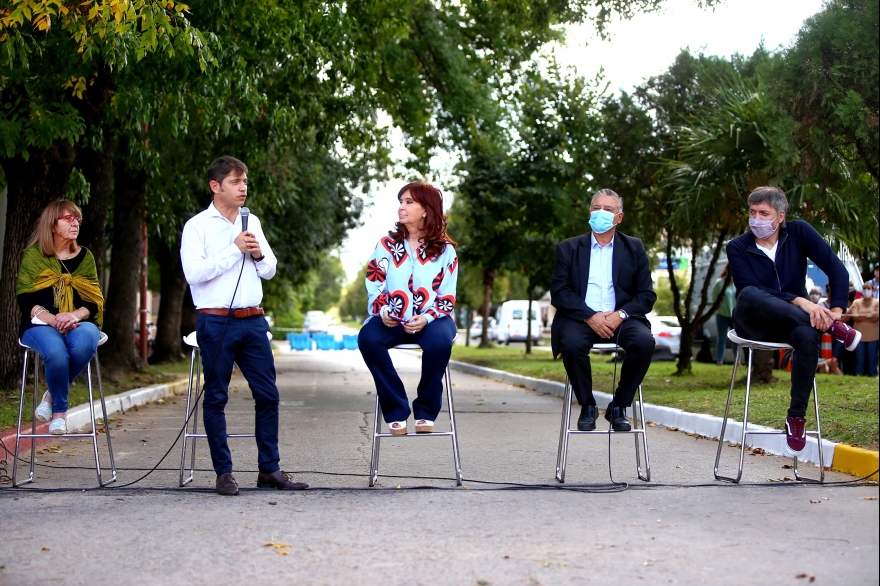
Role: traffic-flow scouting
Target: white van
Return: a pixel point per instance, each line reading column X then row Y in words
column 512, row 324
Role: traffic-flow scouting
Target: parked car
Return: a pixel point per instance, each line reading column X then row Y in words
column 477, row 328
column 315, row 321
column 667, row 333
column 512, row 324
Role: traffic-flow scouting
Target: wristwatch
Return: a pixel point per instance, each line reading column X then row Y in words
column 622, row 314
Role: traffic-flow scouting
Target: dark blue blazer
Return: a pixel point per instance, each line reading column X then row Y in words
column 630, row 272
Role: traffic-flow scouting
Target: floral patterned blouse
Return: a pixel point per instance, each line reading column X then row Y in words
column 411, row 284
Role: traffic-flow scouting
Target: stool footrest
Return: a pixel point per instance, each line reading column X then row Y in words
column 432, row 434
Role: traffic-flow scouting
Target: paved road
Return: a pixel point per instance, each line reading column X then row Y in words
column 342, row 532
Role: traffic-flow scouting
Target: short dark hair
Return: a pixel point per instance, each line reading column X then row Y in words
column 773, row 196
column 221, row 167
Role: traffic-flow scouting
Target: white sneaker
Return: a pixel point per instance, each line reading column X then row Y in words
column 43, row 412
column 58, row 426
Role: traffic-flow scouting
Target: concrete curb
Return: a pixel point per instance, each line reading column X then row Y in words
column 78, row 417
column 701, row 424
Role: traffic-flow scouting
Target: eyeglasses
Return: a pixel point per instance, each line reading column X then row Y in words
column 71, row 219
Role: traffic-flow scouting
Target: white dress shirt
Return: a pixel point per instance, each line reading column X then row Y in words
column 211, row 261
column 600, row 286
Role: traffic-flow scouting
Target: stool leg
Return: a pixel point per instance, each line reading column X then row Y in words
column 106, row 422
column 18, row 429
column 195, row 415
column 736, row 360
column 562, row 451
column 374, row 458
column 818, row 435
column 455, row 454
column 639, row 414
column 186, row 417
column 33, row 418
column 94, row 433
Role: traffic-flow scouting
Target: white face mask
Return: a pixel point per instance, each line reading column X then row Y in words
column 867, row 292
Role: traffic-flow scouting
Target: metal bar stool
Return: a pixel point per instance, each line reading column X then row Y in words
column 637, row 430
column 93, row 435
column 753, row 345
column 378, row 435
column 195, row 384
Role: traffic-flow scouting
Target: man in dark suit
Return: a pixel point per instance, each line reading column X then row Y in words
column 602, row 291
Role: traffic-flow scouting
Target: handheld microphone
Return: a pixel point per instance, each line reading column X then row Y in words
column 244, row 212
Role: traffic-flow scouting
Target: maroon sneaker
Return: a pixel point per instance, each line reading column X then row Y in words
column 795, row 435
column 845, row 335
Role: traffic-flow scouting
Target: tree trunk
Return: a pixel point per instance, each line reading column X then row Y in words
column 762, row 367
column 685, row 349
column 97, row 167
column 126, row 264
column 470, row 322
column 529, row 323
column 488, row 284
column 31, row 184
column 168, row 346
column 187, row 314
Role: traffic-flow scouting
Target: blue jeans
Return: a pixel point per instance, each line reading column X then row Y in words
column 723, row 323
column 64, row 356
column 866, row 358
column 374, row 340
column 245, row 343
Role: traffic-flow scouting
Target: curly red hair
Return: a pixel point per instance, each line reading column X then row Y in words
column 430, row 198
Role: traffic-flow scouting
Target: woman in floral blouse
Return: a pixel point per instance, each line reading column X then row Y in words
column 411, row 279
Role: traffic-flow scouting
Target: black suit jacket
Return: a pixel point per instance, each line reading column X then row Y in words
column 630, row 272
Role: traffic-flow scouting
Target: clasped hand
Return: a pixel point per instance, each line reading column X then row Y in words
column 821, row 318
column 415, row 324
column 247, row 242
column 65, row 322
column 604, row 323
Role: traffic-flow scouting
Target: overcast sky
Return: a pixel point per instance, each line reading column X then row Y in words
column 637, row 49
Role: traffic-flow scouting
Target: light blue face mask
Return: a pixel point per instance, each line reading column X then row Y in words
column 601, row 221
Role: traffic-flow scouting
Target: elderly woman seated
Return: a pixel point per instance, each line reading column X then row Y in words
column 61, row 306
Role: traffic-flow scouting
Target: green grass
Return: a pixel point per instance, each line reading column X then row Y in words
column 848, row 404
column 79, row 392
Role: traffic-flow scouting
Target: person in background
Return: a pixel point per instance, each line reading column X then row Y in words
column 61, row 306
column 876, row 282
column 865, row 318
column 724, row 315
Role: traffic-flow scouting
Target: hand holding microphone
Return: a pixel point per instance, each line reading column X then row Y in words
column 247, row 241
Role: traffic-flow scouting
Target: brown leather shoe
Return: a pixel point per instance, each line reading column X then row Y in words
column 280, row 480
column 226, row 485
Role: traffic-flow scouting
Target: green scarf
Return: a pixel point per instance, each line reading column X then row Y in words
column 39, row 272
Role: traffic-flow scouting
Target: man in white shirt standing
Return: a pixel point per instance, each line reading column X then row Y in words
column 220, row 258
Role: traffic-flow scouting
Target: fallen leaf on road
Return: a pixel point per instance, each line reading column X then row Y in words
column 799, row 576
column 54, row 450
column 870, row 498
column 672, row 428
column 815, row 502
column 44, row 549
column 283, row 552
column 273, row 503
column 652, row 424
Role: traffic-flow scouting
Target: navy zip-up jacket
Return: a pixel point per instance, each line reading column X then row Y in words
column 787, row 277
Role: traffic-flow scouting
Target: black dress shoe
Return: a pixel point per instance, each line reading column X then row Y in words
column 587, row 419
column 280, row 480
column 617, row 416
column 226, row 485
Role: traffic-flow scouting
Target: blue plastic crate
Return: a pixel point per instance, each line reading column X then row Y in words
column 350, row 342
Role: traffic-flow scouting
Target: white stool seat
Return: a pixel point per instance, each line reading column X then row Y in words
column 638, row 429
column 92, row 434
column 751, row 346
column 378, row 434
column 192, row 341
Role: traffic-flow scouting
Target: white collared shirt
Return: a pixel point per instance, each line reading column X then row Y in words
column 600, row 286
column 211, row 261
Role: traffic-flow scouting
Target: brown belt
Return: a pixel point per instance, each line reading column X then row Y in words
column 236, row 313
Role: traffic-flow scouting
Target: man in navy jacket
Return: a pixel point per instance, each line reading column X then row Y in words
column 601, row 290
column 769, row 266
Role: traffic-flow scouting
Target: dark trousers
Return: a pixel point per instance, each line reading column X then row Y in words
column 576, row 340
column 246, row 344
column 374, row 341
column 765, row 318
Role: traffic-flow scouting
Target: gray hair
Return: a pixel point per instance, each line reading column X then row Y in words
column 774, row 196
column 612, row 193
